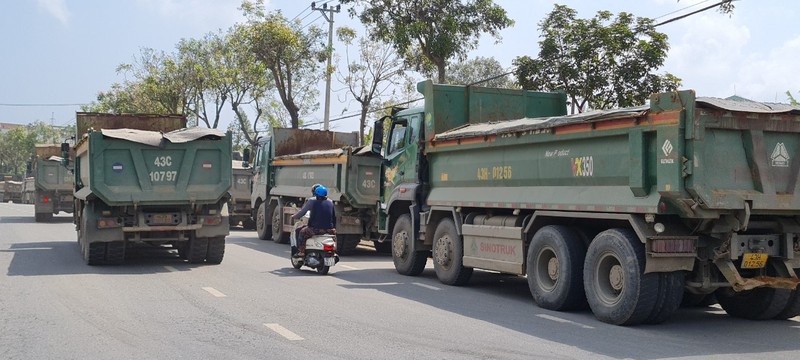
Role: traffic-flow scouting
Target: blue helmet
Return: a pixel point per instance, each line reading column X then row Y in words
column 321, row 191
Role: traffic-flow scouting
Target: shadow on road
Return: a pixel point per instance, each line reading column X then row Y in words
column 30, row 220
column 363, row 253
column 64, row 258
column 497, row 299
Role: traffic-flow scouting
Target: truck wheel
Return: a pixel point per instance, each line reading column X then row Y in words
column 347, row 244
column 670, row 295
column 115, row 252
column 617, row 289
column 198, row 248
column 264, row 232
column 382, row 247
column 555, row 268
column 405, row 261
column 95, row 253
column 43, row 217
column 278, row 235
column 756, row 304
column 216, row 249
column 448, row 255
column 248, row 224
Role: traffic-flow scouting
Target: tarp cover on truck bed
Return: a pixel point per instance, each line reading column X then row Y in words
column 532, row 124
column 154, row 138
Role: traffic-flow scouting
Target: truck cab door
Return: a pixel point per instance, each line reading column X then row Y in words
column 260, row 174
column 402, row 149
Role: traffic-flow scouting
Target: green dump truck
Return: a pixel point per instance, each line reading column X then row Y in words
column 148, row 179
column 623, row 209
column 50, row 188
column 239, row 203
column 12, row 191
column 287, row 163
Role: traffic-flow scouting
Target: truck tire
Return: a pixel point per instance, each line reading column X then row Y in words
column 43, row 217
column 216, row 250
column 670, row 295
column 264, row 232
column 198, row 248
column 555, row 268
column 406, row 262
column 617, row 289
column 347, row 244
column 382, row 247
column 792, row 309
column 756, row 304
column 692, row 300
column 115, row 252
column 448, row 255
column 95, row 253
column 248, row 224
column 278, row 235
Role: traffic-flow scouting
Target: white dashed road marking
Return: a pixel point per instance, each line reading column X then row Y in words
column 563, row 321
column 214, row 292
column 427, row 286
column 282, row 331
column 349, row 267
column 170, row 269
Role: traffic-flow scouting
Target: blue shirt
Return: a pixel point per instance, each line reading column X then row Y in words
column 323, row 214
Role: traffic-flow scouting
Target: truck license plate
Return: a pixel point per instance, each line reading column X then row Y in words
column 754, row 261
column 162, row 219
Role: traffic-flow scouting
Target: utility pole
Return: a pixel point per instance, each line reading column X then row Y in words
column 324, row 10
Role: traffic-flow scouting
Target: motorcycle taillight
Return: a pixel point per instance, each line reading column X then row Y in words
column 329, row 247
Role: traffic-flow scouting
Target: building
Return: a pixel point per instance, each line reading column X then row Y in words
column 5, row 127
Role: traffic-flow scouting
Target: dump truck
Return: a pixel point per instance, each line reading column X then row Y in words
column 239, row 203
column 12, row 191
column 147, row 179
column 50, row 188
column 288, row 162
column 624, row 210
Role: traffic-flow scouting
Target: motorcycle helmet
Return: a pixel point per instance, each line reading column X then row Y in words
column 321, row 191
column 314, row 187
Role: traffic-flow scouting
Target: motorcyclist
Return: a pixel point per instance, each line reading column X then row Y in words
column 323, row 217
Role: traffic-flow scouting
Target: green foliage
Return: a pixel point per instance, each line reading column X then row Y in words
column 429, row 33
column 477, row 71
column 17, row 145
column 601, row 63
column 791, row 98
column 373, row 75
column 289, row 53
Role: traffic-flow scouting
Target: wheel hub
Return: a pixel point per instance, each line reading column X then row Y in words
column 442, row 253
column 616, row 277
column 399, row 245
column 552, row 268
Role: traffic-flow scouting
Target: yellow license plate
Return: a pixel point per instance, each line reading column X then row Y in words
column 754, row 261
column 162, row 219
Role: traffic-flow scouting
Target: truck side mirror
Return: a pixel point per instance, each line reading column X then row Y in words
column 246, row 156
column 65, row 154
column 377, row 135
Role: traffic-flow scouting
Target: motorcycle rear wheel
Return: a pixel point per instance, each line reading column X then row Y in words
column 323, row 270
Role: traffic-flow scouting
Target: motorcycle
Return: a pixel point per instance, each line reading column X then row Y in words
column 320, row 251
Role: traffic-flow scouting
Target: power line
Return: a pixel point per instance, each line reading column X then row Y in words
column 312, row 22
column 368, row 112
column 39, row 105
column 304, row 10
column 692, row 13
column 679, row 10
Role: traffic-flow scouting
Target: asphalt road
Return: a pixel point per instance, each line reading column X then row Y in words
column 256, row 306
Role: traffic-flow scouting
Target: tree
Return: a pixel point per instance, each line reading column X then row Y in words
column 792, row 100
column 291, row 54
column 600, row 62
column 17, row 145
column 429, row 33
column 481, row 71
column 375, row 73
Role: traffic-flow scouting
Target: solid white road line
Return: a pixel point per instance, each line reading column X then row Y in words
column 170, row 269
column 214, row 292
column 427, row 286
column 282, row 331
column 563, row 321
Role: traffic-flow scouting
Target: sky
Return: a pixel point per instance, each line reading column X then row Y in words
column 56, row 54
